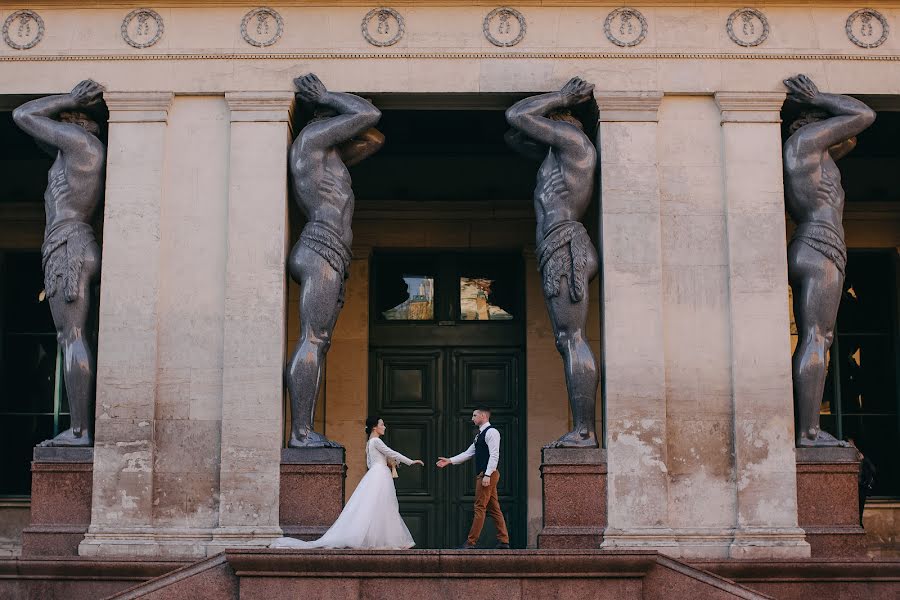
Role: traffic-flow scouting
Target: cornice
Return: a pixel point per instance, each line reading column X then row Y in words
column 294, row 56
column 628, row 106
column 274, row 106
column 750, row 107
column 138, row 107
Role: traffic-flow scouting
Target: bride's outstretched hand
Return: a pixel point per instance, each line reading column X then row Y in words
column 417, row 462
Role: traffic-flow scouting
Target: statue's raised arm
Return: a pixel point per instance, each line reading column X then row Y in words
column 834, row 119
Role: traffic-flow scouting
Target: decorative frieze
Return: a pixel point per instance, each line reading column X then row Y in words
column 23, row 29
column 383, row 27
column 142, row 28
column 747, row 27
column 867, row 28
column 625, row 27
column 504, row 27
column 262, row 27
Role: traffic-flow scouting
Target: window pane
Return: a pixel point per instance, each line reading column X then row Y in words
column 29, row 371
column 867, row 374
column 419, row 302
column 475, row 301
column 868, row 293
column 876, row 437
column 23, row 307
column 405, row 287
column 20, row 434
column 489, row 287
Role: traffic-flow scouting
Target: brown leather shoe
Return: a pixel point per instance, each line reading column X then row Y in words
column 466, row 546
column 501, row 546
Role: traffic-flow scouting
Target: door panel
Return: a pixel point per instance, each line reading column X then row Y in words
column 491, row 377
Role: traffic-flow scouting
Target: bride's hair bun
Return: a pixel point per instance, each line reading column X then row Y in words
column 371, row 423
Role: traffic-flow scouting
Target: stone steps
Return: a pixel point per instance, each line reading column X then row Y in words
column 438, row 574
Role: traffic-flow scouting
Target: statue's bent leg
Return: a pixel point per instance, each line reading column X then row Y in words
column 816, row 284
column 319, row 307
column 569, row 320
column 79, row 357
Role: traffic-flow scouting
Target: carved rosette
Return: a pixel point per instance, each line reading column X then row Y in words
column 747, row 27
column 23, row 29
column 867, row 28
column 504, row 27
column 383, row 27
column 142, row 27
column 625, row 27
column 262, row 27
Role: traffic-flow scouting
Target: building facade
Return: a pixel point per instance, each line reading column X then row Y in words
column 690, row 318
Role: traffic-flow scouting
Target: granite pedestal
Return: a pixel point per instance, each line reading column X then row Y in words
column 828, row 501
column 61, row 480
column 312, row 490
column 574, row 490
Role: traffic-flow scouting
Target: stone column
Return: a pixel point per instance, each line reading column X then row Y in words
column 122, row 503
column 762, row 399
column 254, row 337
column 633, row 344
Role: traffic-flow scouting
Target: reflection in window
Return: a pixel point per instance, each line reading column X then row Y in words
column 419, row 304
column 474, row 301
column 32, row 395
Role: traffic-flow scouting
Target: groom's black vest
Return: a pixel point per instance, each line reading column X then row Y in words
column 482, row 453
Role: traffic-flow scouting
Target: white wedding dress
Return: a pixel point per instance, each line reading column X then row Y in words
column 371, row 518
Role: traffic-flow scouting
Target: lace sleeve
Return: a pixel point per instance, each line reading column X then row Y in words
column 392, row 454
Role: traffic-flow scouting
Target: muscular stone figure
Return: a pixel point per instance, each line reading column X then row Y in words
column 544, row 127
column 817, row 253
column 340, row 134
column 64, row 127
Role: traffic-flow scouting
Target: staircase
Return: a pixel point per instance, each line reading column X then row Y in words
column 437, row 574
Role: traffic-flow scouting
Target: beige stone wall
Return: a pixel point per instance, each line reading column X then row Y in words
column 696, row 315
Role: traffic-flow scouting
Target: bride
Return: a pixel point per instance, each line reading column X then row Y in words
column 371, row 518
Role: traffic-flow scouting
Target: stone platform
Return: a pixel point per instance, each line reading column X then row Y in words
column 426, row 574
column 574, row 498
column 828, row 501
column 61, row 480
column 312, row 490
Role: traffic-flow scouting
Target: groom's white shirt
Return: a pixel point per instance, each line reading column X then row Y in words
column 492, row 439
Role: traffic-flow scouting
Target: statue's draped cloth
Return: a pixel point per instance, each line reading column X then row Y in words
column 826, row 240
column 564, row 251
column 62, row 256
column 329, row 245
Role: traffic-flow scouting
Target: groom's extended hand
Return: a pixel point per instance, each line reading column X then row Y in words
column 443, row 462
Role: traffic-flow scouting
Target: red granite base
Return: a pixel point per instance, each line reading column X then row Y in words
column 60, row 503
column 828, row 502
column 574, row 488
column 312, row 491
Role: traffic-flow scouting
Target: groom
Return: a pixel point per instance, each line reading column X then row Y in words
column 486, row 450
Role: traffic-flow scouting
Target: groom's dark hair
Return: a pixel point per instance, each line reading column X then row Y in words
column 484, row 409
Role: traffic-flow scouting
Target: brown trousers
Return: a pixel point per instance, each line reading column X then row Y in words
column 486, row 501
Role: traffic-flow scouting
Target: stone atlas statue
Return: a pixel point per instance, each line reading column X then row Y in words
column 340, row 134
column 66, row 127
column 558, row 129
column 824, row 132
